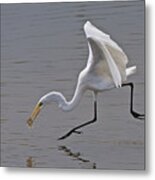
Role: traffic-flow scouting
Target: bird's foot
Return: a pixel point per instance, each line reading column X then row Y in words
column 137, row 115
column 78, row 132
column 69, row 133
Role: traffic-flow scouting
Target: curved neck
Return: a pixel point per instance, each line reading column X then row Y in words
column 75, row 99
column 61, row 100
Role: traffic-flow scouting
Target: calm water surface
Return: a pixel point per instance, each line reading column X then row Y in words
column 43, row 48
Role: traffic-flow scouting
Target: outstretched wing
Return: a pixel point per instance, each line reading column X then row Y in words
column 103, row 48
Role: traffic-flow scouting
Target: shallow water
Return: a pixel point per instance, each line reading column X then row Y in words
column 43, row 48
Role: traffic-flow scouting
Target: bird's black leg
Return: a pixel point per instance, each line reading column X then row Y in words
column 74, row 130
column 135, row 114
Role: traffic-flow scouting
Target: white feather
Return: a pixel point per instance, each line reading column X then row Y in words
column 103, row 48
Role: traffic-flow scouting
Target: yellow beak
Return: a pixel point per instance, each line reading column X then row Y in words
column 34, row 114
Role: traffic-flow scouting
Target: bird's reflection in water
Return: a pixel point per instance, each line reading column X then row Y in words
column 77, row 156
column 30, row 162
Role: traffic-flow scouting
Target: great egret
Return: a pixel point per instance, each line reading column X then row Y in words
column 105, row 69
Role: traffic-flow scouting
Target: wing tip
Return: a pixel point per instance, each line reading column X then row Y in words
column 131, row 70
column 87, row 24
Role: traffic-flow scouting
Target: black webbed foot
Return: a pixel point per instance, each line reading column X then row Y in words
column 137, row 115
column 69, row 133
column 78, row 132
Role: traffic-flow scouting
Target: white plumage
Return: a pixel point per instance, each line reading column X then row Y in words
column 106, row 58
column 105, row 69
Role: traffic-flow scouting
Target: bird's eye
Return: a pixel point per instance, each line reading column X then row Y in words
column 40, row 104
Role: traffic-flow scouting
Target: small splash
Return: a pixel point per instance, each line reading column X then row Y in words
column 77, row 156
column 68, row 151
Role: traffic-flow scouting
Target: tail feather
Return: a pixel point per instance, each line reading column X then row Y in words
column 130, row 70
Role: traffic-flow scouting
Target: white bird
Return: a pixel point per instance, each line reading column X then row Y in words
column 105, row 69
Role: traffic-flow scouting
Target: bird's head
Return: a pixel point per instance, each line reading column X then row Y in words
column 45, row 100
